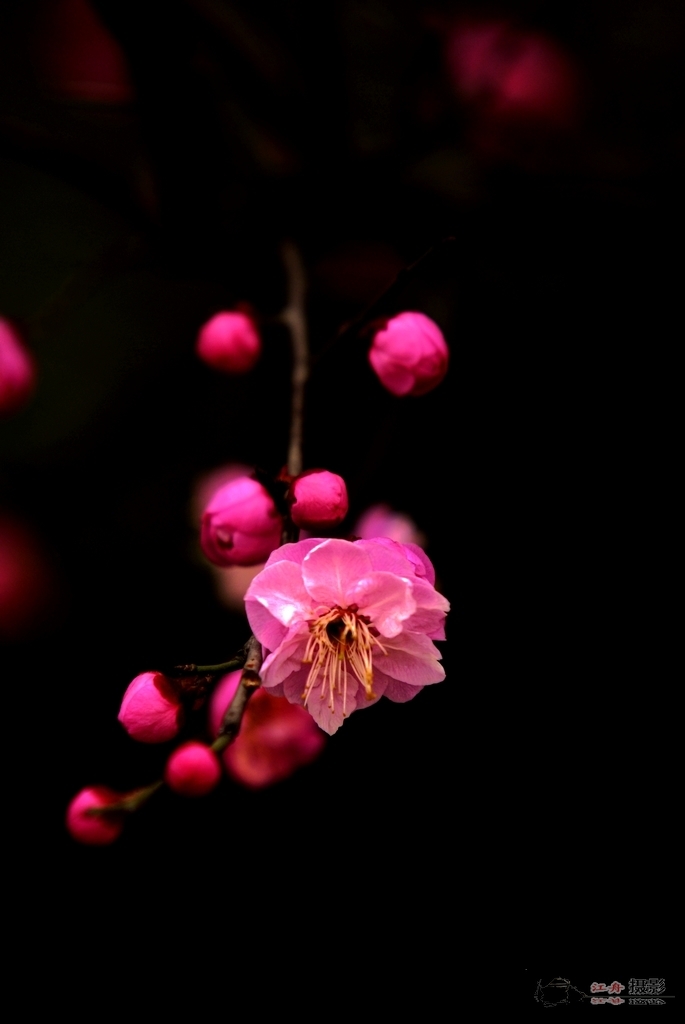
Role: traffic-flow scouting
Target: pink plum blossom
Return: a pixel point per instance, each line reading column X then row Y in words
column 95, row 829
column 229, row 342
column 275, row 739
column 241, row 525
column 193, row 769
column 17, row 370
column 343, row 623
column 409, row 354
column 319, row 499
column 151, row 710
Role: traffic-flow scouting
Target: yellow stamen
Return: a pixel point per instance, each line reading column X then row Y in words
column 337, row 639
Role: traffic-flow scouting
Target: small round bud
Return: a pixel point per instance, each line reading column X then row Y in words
column 94, row 829
column 241, row 525
column 192, row 770
column 151, row 710
column 229, row 342
column 409, row 354
column 17, row 370
column 319, row 499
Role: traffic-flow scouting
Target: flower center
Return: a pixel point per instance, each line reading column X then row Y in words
column 340, row 641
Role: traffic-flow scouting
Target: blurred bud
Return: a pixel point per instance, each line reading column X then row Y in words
column 229, row 342
column 94, row 829
column 17, row 370
column 241, row 525
column 192, row 770
column 513, row 76
column 319, row 499
column 275, row 738
column 409, row 354
column 79, row 58
column 383, row 521
column 27, row 583
column 151, row 710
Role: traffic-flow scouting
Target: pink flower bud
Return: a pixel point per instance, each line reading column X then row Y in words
column 409, row 354
column 95, row 829
column 319, row 499
column 17, row 370
column 229, row 342
column 151, row 710
column 193, row 769
column 241, row 525
column 275, row 737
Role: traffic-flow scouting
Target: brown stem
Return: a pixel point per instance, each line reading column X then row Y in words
column 249, row 682
column 293, row 316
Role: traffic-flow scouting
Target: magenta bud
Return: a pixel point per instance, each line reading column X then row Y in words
column 241, row 525
column 193, row 769
column 409, row 354
column 151, row 710
column 94, row 829
column 319, row 499
column 229, row 342
column 17, row 370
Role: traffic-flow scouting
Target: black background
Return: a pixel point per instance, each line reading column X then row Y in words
column 540, row 469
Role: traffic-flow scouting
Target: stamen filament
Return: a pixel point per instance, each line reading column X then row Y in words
column 338, row 640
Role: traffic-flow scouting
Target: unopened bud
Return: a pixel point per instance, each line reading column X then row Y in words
column 94, row 829
column 241, row 525
column 229, row 342
column 409, row 354
column 193, row 769
column 319, row 499
column 151, row 710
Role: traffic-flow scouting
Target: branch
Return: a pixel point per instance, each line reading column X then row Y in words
column 249, row 682
column 293, row 316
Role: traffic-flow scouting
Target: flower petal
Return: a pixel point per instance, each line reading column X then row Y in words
column 293, row 552
column 287, row 658
column 386, row 599
column 328, row 714
column 386, row 555
column 393, row 689
column 411, row 658
column 265, row 627
column 332, row 569
column 431, row 610
column 279, row 589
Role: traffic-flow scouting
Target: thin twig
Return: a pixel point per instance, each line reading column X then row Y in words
column 293, row 316
column 199, row 670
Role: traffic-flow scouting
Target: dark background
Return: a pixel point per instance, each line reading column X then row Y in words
column 539, row 469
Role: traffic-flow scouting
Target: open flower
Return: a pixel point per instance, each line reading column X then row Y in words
column 344, row 623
